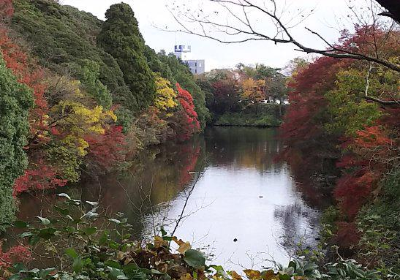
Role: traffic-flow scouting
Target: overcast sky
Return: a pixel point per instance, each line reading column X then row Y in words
column 153, row 15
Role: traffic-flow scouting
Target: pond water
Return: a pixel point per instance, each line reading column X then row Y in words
column 221, row 191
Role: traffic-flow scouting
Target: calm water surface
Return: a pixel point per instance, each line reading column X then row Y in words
column 224, row 190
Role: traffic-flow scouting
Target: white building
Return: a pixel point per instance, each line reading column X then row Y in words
column 183, row 52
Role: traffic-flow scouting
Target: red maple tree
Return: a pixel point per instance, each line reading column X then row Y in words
column 106, row 150
column 186, row 120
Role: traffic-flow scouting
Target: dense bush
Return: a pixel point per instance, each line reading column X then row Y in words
column 15, row 102
column 265, row 115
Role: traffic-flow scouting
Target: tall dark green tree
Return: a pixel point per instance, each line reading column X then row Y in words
column 120, row 37
column 15, row 102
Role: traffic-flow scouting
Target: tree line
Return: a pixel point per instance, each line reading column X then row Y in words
column 83, row 96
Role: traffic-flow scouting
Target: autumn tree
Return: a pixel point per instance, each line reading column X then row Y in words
column 120, row 37
column 106, row 151
column 165, row 99
column 226, row 95
column 185, row 121
column 73, row 121
column 15, row 102
column 253, row 90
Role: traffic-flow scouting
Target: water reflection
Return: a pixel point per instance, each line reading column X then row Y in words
column 225, row 189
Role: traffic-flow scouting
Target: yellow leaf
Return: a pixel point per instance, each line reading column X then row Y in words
column 236, row 276
column 183, row 246
column 269, row 275
column 253, row 274
column 186, row 277
column 159, row 242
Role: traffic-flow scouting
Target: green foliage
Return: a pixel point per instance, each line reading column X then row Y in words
column 66, row 41
column 328, row 221
column 158, row 66
column 72, row 236
column 120, row 37
column 265, row 115
column 65, row 156
column 182, row 75
column 90, row 74
column 15, row 102
column 380, row 224
column 349, row 112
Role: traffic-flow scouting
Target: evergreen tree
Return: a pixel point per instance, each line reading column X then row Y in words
column 120, row 37
column 15, row 102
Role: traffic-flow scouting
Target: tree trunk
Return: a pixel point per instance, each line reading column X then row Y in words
column 393, row 7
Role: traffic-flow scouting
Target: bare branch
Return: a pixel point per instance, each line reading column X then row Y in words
column 383, row 102
column 283, row 35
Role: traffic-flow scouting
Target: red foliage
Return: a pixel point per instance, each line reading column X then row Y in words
column 302, row 121
column 17, row 254
column 347, row 235
column 364, row 167
column 106, row 150
column 225, row 94
column 31, row 75
column 39, row 175
column 190, row 156
column 187, row 122
column 6, row 9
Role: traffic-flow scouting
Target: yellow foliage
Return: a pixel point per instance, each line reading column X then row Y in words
column 186, row 277
column 236, row 276
column 253, row 274
column 253, row 90
column 159, row 242
column 76, row 120
column 165, row 95
column 183, row 246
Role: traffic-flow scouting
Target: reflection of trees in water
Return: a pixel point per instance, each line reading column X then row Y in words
column 299, row 226
column 158, row 177
column 314, row 172
column 243, row 148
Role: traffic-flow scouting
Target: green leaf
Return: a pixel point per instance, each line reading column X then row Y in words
column 132, row 267
column 104, row 238
column 20, row 224
column 156, row 272
column 77, row 265
column 90, row 231
column 71, row 253
column 92, row 203
column 62, row 211
column 117, row 274
column 65, row 195
column 44, row 220
column 115, row 221
column 26, row 234
column 47, row 233
column 19, row 267
column 284, row 277
column 46, row 272
column 112, row 264
column 194, row 258
column 91, row 214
